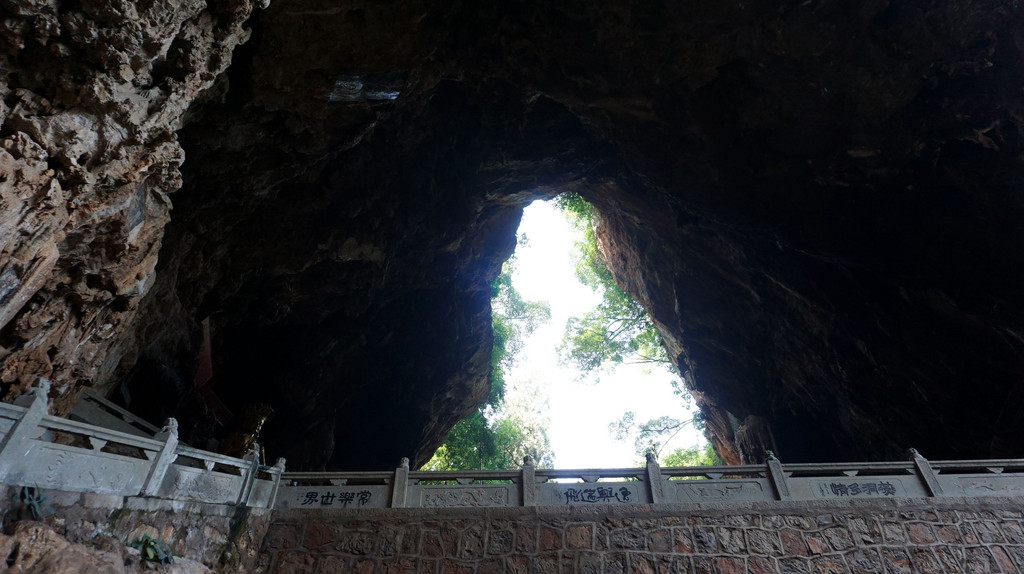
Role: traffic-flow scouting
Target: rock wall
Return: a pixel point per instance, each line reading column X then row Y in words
column 899, row 536
column 93, row 94
column 816, row 201
column 88, row 530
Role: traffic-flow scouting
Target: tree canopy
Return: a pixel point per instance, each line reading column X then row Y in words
column 499, row 433
column 692, row 457
column 618, row 329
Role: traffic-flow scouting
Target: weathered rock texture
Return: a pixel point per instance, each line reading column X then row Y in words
column 89, row 532
column 920, row 537
column 36, row 548
column 817, row 201
column 93, row 94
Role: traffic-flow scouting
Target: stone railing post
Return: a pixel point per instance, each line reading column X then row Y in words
column 528, row 483
column 925, row 473
column 161, row 460
column 252, row 459
column 400, row 484
column 16, row 446
column 777, row 477
column 278, row 471
column 654, row 485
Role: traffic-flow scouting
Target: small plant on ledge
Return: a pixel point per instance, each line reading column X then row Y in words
column 32, row 499
column 153, row 550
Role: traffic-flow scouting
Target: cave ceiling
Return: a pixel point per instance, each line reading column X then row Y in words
column 818, row 202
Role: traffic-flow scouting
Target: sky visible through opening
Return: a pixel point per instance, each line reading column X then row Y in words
column 580, row 411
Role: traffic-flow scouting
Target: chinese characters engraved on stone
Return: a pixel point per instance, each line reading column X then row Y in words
column 861, row 489
column 342, row 498
column 600, row 494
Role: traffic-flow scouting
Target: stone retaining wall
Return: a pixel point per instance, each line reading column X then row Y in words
column 895, row 535
column 221, row 537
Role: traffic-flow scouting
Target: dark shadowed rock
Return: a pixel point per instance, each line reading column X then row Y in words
column 818, row 203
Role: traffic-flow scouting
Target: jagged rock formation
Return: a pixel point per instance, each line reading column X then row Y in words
column 93, row 94
column 815, row 200
column 35, row 548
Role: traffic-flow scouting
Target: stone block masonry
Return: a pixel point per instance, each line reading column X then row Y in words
column 900, row 536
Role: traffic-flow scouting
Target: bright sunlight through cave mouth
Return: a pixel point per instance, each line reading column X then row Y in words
column 560, row 408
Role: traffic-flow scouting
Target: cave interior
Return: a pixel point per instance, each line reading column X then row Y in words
column 818, row 203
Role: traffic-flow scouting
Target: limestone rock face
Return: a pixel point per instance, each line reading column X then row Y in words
column 818, row 203
column 35, row 548
column 93, row 94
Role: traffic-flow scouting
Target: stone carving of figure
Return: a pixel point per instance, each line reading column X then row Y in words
column 242, row 440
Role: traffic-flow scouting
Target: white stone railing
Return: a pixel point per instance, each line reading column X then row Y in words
column 52, row 452
column 96, row 410
column 530, row 486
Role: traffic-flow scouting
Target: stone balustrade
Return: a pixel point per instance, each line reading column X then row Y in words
column 67, row 455
column 96, row 410
column 772, row 481
column 50, row 452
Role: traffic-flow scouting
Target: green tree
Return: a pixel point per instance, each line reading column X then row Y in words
column 693, row 456
column 652, row 435
column 618, row 329
column 500, row 441
column 493, row 437
column 521, row 425
column 469, row 445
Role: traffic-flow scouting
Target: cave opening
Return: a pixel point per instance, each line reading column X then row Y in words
column 819, row 206
column 574, row 357
column 343, row 253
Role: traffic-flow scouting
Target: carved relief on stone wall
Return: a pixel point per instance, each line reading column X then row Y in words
column 204, row 486
column 704, row 491
column 93, row 474
column 592, row 494
column 995, row 485
column 438, row 498
column 859, row 488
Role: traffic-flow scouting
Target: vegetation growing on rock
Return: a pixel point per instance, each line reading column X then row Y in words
column 498, row 435
column 618, row 330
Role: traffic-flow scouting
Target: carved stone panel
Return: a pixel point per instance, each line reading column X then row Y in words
column 592, row 493
column 331, row 497
column 860, row 487
column 259, row 496
column 720, row 490
column 81, row 470
column 992, row 485
column 201, row 485
column 448, row 496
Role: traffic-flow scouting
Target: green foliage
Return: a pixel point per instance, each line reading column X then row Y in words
column 515, row 439
column 512, row 321
column 32, row 499
column 618, row 329
column 469, row 445
column 153, row 550
column 649, row 436
column 491, row 438
column 693, row 457
column 700, row 422
column 475, row 443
